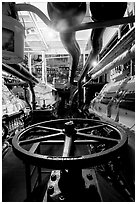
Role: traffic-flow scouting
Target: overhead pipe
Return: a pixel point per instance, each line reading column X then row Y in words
column 99, row 24
column 26, row 73
column 99, row 11
column 104, row 24
column 125, row 43
column 108, row 15
column 82, row 26
column 20, row 71
column 15, row 84
column 122, row 59
column 12, row 71
column 33, row 9
column 70, row 13
column 96, row 41
column 65, row 15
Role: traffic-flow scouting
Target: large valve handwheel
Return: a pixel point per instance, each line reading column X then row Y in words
column 100, row 141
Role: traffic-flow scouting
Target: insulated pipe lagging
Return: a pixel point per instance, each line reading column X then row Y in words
column 71, row 45
column 65, row 15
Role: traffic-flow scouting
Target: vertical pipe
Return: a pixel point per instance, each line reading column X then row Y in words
column 25, row 95
column 29, row 63
column 70, row 63
column 33, row 96
column 131, row 68
column 84, row 88
column 45, row 70
column 119, row 32
column 43, row 67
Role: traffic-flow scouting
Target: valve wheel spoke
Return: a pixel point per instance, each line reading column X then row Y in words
column 97, row 137
column 40, row 139
column 91, row 127
column 49, row 128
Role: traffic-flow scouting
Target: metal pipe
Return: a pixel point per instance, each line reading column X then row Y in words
column 26, row 99
column 125, row 57
column 67, row 146
column 29, row 63
column 100, row 24
column 31, row 8
column 12, row 71
column 43, row 67
column 26, row 73
column 20, row 72
column 16, row 84
column 96, row 41
column 33, row 96
column 82, row 26
column 123, row 44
